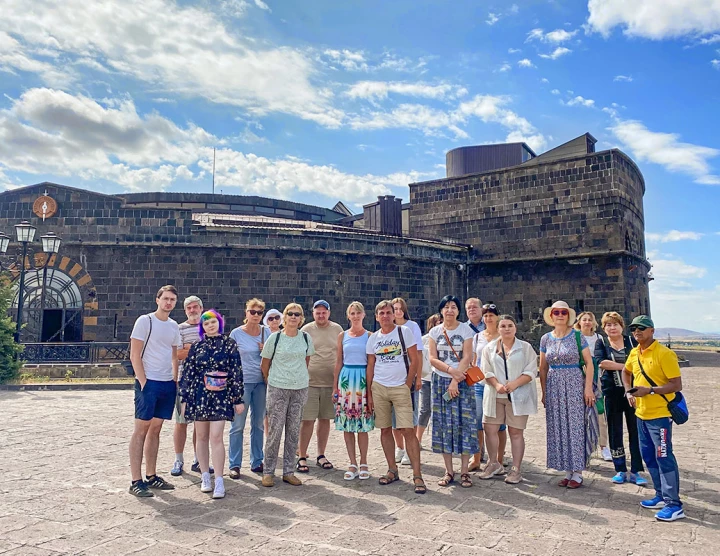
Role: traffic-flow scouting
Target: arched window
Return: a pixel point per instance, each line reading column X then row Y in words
column 52, row 307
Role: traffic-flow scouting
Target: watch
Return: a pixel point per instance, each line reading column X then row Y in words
column 652, row 390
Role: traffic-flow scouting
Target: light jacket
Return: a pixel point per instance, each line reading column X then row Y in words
column 521, row 360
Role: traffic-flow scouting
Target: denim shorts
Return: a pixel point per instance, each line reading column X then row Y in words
column 156, row 400
column 479, row 391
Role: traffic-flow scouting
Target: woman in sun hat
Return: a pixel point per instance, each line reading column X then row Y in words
column 568, row 395
column 273, row 320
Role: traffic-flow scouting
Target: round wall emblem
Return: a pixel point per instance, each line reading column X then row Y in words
column 45, row 207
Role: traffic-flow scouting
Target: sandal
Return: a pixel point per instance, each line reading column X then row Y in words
column 465, row 480
column 474, row 467
column 419, row 488
column 390, row 477
column 364, row 472
column 447, row 479
column 350, row 474
column 302, row 467
column 326, row 464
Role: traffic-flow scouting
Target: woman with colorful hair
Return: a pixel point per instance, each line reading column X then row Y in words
column 212, row 392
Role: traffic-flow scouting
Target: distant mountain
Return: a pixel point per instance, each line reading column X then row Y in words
column 683, row 333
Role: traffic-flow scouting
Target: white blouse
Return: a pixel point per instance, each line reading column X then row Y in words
column 521, row 360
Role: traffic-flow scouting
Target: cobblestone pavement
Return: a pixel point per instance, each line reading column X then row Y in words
column 63, row 490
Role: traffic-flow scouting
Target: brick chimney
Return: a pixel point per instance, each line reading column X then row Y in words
column 384, row 215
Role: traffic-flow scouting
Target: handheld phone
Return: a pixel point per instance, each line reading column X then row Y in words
column 446, row 396
column 632, row 390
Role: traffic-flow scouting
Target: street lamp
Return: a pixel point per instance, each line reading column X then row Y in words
column 25, row 233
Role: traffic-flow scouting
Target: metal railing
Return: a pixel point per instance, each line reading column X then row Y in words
column 80, row 352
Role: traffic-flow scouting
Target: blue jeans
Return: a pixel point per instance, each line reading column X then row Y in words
column 254, row 399
column 655, row 437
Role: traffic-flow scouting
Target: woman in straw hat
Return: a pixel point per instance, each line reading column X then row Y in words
column 568, row 395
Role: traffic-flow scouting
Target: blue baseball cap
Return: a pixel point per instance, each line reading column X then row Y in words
column 321, row 302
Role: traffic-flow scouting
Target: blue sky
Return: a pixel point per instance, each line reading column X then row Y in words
column 324, row 101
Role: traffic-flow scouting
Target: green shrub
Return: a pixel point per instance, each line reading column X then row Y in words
column 10, row 362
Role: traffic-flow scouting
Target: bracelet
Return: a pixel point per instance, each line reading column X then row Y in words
column 448, row 369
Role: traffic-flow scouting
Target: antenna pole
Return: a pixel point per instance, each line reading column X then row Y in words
column 213, row 178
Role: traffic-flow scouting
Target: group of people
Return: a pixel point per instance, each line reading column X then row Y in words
column 474, row 379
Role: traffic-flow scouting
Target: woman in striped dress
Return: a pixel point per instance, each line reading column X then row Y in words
column 568, row 396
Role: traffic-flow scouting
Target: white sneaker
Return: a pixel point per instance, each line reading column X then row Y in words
column 399, row 455
column 206, row 486
column 606, row 454
column 219, row 491
column 405, row 460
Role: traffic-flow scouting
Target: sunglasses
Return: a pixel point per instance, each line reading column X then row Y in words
column 560, row 312
column 637, row 327
column 256, row 312
column 276, row 317
column 490, row 306
column 294, row 314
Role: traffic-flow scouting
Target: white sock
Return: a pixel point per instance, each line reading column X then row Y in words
column 577, row 477
column 180, row 458
column 568, row 475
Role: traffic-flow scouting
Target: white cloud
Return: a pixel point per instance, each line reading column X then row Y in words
column 544, row 80
column 526, row 63
column 429, row 120
column 14, row 58
column 555, row 54
column 514, row 9
column 625, row 78
column 655, row 19
column 673, row 235
column 262, row 5
column 557, row 36
column 381, row 90
column 715, row 64
column 710, row 40
column 555, row 92
column 492, row 19
column 348, row 59
column 667, row 150
column 505, row 67
column 179, row 49
column 580, row 101
column 513, row 50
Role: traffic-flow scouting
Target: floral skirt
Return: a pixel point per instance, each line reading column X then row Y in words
column 351, row 410
column 454, row 429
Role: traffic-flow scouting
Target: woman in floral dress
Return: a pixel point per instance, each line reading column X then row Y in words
column 568, row 396
column 212, row 392
column 352, row 414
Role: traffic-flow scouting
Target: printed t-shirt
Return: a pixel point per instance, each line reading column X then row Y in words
column 288, row 369
column 189, row 334
column 250, row 353
column 322, row 364
column 165, row 335
column 390, row 369
column 660, row 364
column 457, row 337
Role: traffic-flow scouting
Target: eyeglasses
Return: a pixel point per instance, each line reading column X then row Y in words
column 560, row 312
column 289, row 314
column 256, row 312
column 638, row 327
column 276, row 317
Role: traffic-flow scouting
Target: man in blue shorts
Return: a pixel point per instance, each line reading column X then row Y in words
column 154, row 344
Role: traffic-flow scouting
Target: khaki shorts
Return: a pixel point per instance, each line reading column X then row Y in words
column 319, row 404
column 504, row 416
column 179, row 419
column 386, row 399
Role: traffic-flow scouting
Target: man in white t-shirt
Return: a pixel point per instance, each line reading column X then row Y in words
column 391, row 371
column 154, row 344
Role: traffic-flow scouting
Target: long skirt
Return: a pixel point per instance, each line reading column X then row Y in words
column 572, row 427
column 352, row 413
column 454, row 423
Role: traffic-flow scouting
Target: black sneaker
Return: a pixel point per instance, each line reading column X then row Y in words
column 195, row 468
column 140, row 489
column 158, row 483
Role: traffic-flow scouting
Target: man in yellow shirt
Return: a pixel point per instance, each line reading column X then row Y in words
column 651, row 377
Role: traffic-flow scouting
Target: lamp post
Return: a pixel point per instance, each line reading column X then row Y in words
column 25, row 234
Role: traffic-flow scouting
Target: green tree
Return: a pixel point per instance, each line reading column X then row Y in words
column 10, row 362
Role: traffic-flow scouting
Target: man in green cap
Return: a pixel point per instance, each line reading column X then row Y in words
column 651, row 377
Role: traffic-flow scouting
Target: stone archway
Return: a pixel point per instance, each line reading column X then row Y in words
column 59, row 300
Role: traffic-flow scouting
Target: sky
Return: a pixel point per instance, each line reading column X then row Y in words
column 324, row 101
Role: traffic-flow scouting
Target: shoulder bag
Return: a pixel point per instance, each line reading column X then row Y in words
column 677, row 406
column 473, row 374
column 599, row 402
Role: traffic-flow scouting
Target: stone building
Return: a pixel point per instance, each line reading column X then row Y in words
column 566, row 224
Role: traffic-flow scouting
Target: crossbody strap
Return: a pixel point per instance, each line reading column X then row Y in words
column 507, row 377
column 146, row 339
column 404, row 349
column 277, row 341
column 449, row 343
column 579, row 346
column 650, row 380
